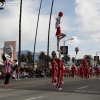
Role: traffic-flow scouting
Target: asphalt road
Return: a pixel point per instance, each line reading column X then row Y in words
column 41, row 89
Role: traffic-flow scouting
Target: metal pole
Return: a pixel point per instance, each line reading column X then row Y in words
column 19, row 53
column 64, row 43
column 36, row 32
column 49, row 33
column 96, row 56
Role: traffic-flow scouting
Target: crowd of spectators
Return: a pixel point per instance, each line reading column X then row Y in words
column 27, row 72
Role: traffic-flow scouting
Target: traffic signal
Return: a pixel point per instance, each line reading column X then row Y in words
column 64, row 49
column 96, row 58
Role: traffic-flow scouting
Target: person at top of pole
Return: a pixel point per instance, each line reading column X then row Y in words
column 59, row 34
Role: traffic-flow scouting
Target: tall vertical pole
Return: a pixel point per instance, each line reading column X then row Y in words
column 36, row 32
column 20, row 15
column 64, row 46
column 96, row 56
column 49, row 33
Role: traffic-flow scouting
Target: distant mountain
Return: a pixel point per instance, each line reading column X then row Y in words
column 25, row 52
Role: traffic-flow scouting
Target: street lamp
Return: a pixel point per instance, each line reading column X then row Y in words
column 67, row 40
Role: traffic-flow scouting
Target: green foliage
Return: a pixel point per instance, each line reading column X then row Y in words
column 66, row 58
column 88, row 57
column 23, row 58
column 76, row 50
column 73, row 59
column 42, row 55
column 98, row 62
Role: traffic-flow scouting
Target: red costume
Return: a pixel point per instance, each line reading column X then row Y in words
column 58, row 32
column 81, row 71
column 73, row 69
column 59, row 81
column 84, row 62
column 53, row 64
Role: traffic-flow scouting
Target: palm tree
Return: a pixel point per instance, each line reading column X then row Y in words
column 76, row 50
column 29, row 56
column 53, row 54
column 66, row 58
column 49, row 60
column 23, row 58
column 42, row 57
column 36, row 32
column 73, row 59
column 88, row 57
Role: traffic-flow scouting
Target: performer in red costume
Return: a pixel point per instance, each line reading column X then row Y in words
column 59, row 34
column 54, row 72
column 63, row 71
column 87, row 72
column 59, row 79
column 73, row 69
column 81, row 71
column 84, row 62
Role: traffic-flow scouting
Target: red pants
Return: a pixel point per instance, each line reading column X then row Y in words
column 81, row 74
column 59, row 81
column 54, row 77
column 73, row 73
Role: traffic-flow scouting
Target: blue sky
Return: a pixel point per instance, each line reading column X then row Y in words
column 81, row 21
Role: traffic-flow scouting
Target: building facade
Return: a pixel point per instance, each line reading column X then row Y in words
column 1, row 52
column 13, row 44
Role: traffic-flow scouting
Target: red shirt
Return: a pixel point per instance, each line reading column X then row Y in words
column 53, row 64
column 58, row 32
column 81, row 69
column 73, row 68
column 84, row 62
column 59, row 62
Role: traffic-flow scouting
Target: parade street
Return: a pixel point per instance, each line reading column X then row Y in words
column 41, row 89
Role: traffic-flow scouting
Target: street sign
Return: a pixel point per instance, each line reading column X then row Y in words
column 7, row 49
column 96, row 58
column 64, row 49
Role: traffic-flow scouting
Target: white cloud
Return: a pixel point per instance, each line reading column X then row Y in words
column 10, row 24
column 88, row 12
